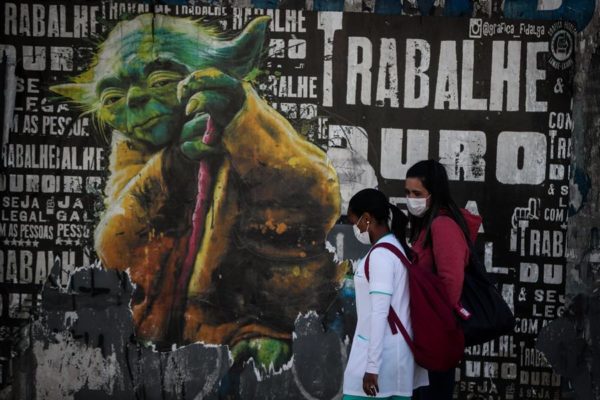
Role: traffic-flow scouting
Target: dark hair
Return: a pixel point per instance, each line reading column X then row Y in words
column 376, row 203
column 434, row 178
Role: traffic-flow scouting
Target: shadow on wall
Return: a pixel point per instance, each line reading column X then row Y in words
column 571, row 344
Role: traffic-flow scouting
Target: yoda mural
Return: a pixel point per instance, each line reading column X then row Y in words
column 214, row 204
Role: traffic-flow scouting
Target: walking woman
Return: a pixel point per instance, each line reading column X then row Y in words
column 380, row 363
column 440, row 234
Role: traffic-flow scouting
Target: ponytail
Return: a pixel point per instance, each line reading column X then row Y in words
column 398, row 227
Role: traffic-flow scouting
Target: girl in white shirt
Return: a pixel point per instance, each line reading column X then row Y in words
column 380, row 364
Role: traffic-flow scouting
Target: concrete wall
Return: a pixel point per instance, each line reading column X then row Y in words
column 81, row 341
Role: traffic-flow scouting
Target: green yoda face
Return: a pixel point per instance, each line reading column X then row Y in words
column 141, row 101
column 132, row 86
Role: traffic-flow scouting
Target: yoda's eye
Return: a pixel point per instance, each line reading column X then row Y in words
column 111, row 100
column 111, row 96
column 162, row 78
column 161, row 83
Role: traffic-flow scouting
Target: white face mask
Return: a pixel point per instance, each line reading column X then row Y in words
column 417, row 206
column 362, row 237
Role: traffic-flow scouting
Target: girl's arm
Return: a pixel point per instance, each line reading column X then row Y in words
column 450, row 255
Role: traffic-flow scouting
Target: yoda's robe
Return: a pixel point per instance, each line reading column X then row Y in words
column 262, row 259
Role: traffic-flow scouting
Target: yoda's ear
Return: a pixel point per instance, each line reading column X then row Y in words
column 80, row 92
column 246, row 48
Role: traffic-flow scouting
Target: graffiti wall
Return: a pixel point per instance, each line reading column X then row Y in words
column 175, row 178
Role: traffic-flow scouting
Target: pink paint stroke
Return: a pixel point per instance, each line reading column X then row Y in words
column 205, row 181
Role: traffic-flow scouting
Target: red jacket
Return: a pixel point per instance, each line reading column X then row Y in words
column 450, row 251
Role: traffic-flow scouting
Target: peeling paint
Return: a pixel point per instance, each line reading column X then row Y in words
column 580, row 187
column 64, row 367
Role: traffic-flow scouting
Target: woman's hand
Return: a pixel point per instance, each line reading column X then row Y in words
column 370, row 385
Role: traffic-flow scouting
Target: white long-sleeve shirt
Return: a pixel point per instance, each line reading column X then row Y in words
column 374, row 348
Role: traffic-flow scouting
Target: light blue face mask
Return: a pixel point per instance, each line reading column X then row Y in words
column 362, row 237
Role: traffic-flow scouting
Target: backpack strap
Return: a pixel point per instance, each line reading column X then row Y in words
column 393, row 319
column 391, row 248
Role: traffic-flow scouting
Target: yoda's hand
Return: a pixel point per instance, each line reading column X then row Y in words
column 207, row 92
column 191, row 140
column 214, row 92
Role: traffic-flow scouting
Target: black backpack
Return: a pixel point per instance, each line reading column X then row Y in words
column 485, row 315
